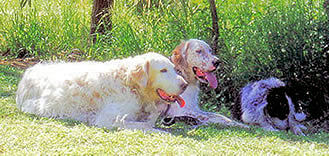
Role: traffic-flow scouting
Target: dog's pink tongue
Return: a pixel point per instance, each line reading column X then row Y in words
column 211, row 79
column 180, row 101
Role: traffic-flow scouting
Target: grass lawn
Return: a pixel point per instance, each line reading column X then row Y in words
column 22, row 133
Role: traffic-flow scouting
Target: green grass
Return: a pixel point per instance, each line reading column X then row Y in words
column 45, row 28
column 22, row 134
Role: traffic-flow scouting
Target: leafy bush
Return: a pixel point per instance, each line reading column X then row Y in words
column 288, row 42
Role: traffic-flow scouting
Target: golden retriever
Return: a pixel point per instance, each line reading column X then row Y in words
column 125, row 93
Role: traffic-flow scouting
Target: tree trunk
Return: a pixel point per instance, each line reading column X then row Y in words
column 100, row 17
column 326, row 7
column 215, row 29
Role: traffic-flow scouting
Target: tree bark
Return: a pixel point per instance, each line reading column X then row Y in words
column 100, row 17
column 326, row 7
column 215, row 29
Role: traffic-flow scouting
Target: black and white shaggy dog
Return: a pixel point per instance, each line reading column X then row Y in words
column 266, row 103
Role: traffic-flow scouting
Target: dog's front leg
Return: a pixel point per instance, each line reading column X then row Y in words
column 297, row 129
column 220, row 119
column 295, row 126
column 294, row 118
column 203, row 118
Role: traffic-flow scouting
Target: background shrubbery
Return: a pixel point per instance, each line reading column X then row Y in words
column 258, row 39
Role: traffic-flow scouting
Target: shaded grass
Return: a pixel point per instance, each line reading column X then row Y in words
column 22, row 133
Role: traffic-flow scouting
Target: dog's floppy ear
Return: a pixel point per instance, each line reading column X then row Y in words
column 140, row 75
column 179, row 54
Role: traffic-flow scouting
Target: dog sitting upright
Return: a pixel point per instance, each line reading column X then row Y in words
column 266, row 103
column 193, row 58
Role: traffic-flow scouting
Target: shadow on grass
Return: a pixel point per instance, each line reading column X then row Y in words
column 65, row 122
column 203, row 133
column 213, row 130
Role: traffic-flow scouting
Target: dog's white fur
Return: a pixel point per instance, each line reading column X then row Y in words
column 254, row 100
column 189, row 54
column 118, row 93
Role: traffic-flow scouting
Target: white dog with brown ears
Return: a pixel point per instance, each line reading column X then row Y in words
column 125, row 93
column 193, row 58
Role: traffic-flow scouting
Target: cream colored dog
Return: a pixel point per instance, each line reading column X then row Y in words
column 197, row 64
column 127, row 93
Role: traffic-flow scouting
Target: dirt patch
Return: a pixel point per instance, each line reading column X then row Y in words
column 20, row 63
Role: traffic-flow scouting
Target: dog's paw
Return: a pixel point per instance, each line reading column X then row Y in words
column 242, row 125
column 237, row 124
column 297, row 129
column 270, row 128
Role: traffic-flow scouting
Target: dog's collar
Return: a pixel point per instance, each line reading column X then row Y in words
column 166, row 111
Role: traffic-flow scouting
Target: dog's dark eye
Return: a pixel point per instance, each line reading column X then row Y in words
column 178, row 72
column 198, row 51
column 163, row 70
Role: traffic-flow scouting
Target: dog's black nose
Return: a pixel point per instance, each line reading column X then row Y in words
column 216, row 63
column 183, row 86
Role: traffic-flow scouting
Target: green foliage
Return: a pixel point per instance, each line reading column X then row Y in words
column 256, row 50
column 26, row 134
column 287, row 40
column 160, row 28
column 49, row 28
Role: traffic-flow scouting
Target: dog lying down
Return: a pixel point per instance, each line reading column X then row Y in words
column 193, row 58
column 266, row 103
column 125, row 93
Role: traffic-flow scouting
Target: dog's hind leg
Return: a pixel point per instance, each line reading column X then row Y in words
column 209, row 117
column 294, row 118
column 198, row 117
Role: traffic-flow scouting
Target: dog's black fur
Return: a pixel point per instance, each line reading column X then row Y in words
column 277, row 103
column 310, row 98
